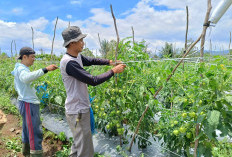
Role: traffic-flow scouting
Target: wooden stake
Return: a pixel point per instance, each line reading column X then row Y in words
column 53, row 39
column 15, row 48
column 157, row 92
column 186, row 33
column 115, row 25
column 32, row 38
column 11, row 49
column 230, row 43
column 133, row 35
column 99, row 39
column 206, row 25
column 210, row 49
column 116, row 51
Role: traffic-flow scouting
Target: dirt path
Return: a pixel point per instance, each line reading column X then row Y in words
column 12, row 130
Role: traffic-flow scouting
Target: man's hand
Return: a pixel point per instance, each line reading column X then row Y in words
column 117, row 62
column 119, row 68
column 51, row 67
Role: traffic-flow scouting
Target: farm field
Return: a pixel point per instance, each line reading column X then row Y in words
column 197, row 94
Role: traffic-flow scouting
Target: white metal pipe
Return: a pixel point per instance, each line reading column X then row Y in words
column 220, row 10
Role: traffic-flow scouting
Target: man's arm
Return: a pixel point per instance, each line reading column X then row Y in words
column 27, row 76
column 74, row 69
column 87, row 61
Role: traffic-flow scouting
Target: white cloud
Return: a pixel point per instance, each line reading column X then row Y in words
column 69, row 16
column 101, row 16
column 22, row 34
column 78, row 2
column 39, row 24
column 7, row 24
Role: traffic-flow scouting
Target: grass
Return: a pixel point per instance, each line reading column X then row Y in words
column 6, row 106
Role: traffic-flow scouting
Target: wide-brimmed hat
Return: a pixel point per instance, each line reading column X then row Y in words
column 72, row 34
column 25, row 51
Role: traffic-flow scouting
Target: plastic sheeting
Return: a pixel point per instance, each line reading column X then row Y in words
column 220, row 10
column 102, row 143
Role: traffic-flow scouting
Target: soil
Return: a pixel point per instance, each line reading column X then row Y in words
column 13, row 129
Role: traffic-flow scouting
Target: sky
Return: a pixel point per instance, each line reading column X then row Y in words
column 155, row 21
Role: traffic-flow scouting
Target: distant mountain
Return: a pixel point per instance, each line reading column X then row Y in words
column 223, row 52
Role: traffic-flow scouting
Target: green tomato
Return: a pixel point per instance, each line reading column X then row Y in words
column 185, row 100
column 187, row 125
column 108, row 126
column 202, row 113
column 200, row 102
column 102, row 109
column 189, row 135
column 192, row 114
column 120, row 91
column 118, row 112
column 172, row 125
column 182, row 129
column 118, row 125
column 176, row 132
column 184, row 115
column 96, row 107
column 104, row 114
column 175, row 122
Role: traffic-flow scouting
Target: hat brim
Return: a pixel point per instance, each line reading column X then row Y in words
column 75, row 40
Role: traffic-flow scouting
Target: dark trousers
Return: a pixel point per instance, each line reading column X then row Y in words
column 32, row 128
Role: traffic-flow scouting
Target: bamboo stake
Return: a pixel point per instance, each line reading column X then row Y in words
column 116, row 51
column 54, row 38
column 69, row 24
column 32, row 38
column 157, row 92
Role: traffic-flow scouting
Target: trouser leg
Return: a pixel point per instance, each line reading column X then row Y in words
column 34, row 128
column 25, row 138
column 82, row 137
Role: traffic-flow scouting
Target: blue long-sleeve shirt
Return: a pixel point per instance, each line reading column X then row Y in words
column 23, row 78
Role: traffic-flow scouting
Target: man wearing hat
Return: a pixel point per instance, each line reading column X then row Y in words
column 28, row 102
column 75, row 79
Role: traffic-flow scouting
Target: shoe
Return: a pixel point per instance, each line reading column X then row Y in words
column 36, row 153
column 26, row 149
